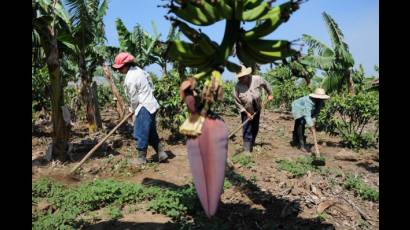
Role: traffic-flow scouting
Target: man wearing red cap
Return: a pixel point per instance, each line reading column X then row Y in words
column 140, row 92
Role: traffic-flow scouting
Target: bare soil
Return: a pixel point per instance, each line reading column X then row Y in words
column 273, row 200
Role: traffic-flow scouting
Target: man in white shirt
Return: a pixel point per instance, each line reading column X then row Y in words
column 139, row 90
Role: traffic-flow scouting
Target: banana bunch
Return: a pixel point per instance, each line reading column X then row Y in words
column 201, row 12
column 271, row 20
column 251, row 49
column 264, row 51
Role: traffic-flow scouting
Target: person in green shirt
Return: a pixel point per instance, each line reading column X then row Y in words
column 304, row 110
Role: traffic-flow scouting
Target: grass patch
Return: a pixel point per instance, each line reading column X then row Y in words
column 298, row 167
column 362, row 224
column 227, row 184
column 360, row 188
column 321, row 217
column 71, row 203
column 244, row 161
column 114, row 212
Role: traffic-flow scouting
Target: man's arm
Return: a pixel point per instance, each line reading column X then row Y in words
column 132, row 89
column 267, row 87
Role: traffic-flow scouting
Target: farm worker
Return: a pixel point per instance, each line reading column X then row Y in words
column 139, row 90
column 248, row 100
column 304, row 110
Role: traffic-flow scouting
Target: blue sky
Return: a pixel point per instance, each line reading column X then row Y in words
column 358, row 20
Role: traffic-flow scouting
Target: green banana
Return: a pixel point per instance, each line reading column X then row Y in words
column 233, row 67
column 189, row 32
column 204, row 42
column 250, row 4
column 181, row 50
column 267, row 27
column 224, row 9
column 192, row 14
column 278, row 53
column 255, row 56
column 272, row 20
column 210, row 11
column 202, row 74
column 244, row 57
column 256, row 12
column 268, row 45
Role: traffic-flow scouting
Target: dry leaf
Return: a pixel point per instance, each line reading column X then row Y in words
column 324, row 205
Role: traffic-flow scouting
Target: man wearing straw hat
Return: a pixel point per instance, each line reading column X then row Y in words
column 304, row 110
column 248, row 100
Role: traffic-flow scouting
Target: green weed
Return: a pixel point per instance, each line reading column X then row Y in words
column 70, row 203
column 299, row 167
column 244, row 161
column 361, row 189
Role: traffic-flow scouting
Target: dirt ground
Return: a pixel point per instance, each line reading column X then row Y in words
column 274, row 198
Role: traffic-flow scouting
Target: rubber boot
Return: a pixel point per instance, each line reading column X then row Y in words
column 162, row 156
column 247, row 148
column 302, row 145
column 295, row 141
column 141, row 157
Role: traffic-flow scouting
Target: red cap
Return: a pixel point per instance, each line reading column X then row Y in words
column 121, row 59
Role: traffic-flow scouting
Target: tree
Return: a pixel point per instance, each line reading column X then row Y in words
column 146, row 48
column 337, row 61
column 87, row 37
column 49, row 18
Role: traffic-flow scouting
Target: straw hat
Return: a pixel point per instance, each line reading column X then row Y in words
column 244, row 71
column 319, row 93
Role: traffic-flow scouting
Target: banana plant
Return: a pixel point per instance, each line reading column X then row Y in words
column 49, row 20
column 146, row 48
column 87, row 36
column 336, row 60
column 250, row 46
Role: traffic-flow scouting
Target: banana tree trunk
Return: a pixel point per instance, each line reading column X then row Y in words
column 89, row 98
column 350, row 83
column 60, row 129
column 120, row 101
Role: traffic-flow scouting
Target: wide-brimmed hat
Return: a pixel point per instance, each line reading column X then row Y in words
column 244, row 71
column 319, row 93
column 121, row 59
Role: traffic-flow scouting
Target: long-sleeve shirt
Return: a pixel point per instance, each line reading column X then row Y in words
column 246, row 96
column 140, row 91
column 303, row 107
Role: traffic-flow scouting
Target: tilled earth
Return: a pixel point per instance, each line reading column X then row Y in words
column 270, row 199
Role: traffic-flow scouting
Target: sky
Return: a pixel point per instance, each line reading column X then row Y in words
column 358, row 20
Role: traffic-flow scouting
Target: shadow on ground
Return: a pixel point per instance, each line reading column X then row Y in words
column 369, row 166
column 273, row 212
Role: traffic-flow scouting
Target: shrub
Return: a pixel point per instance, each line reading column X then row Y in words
column 348, row 116
column 172, row 111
